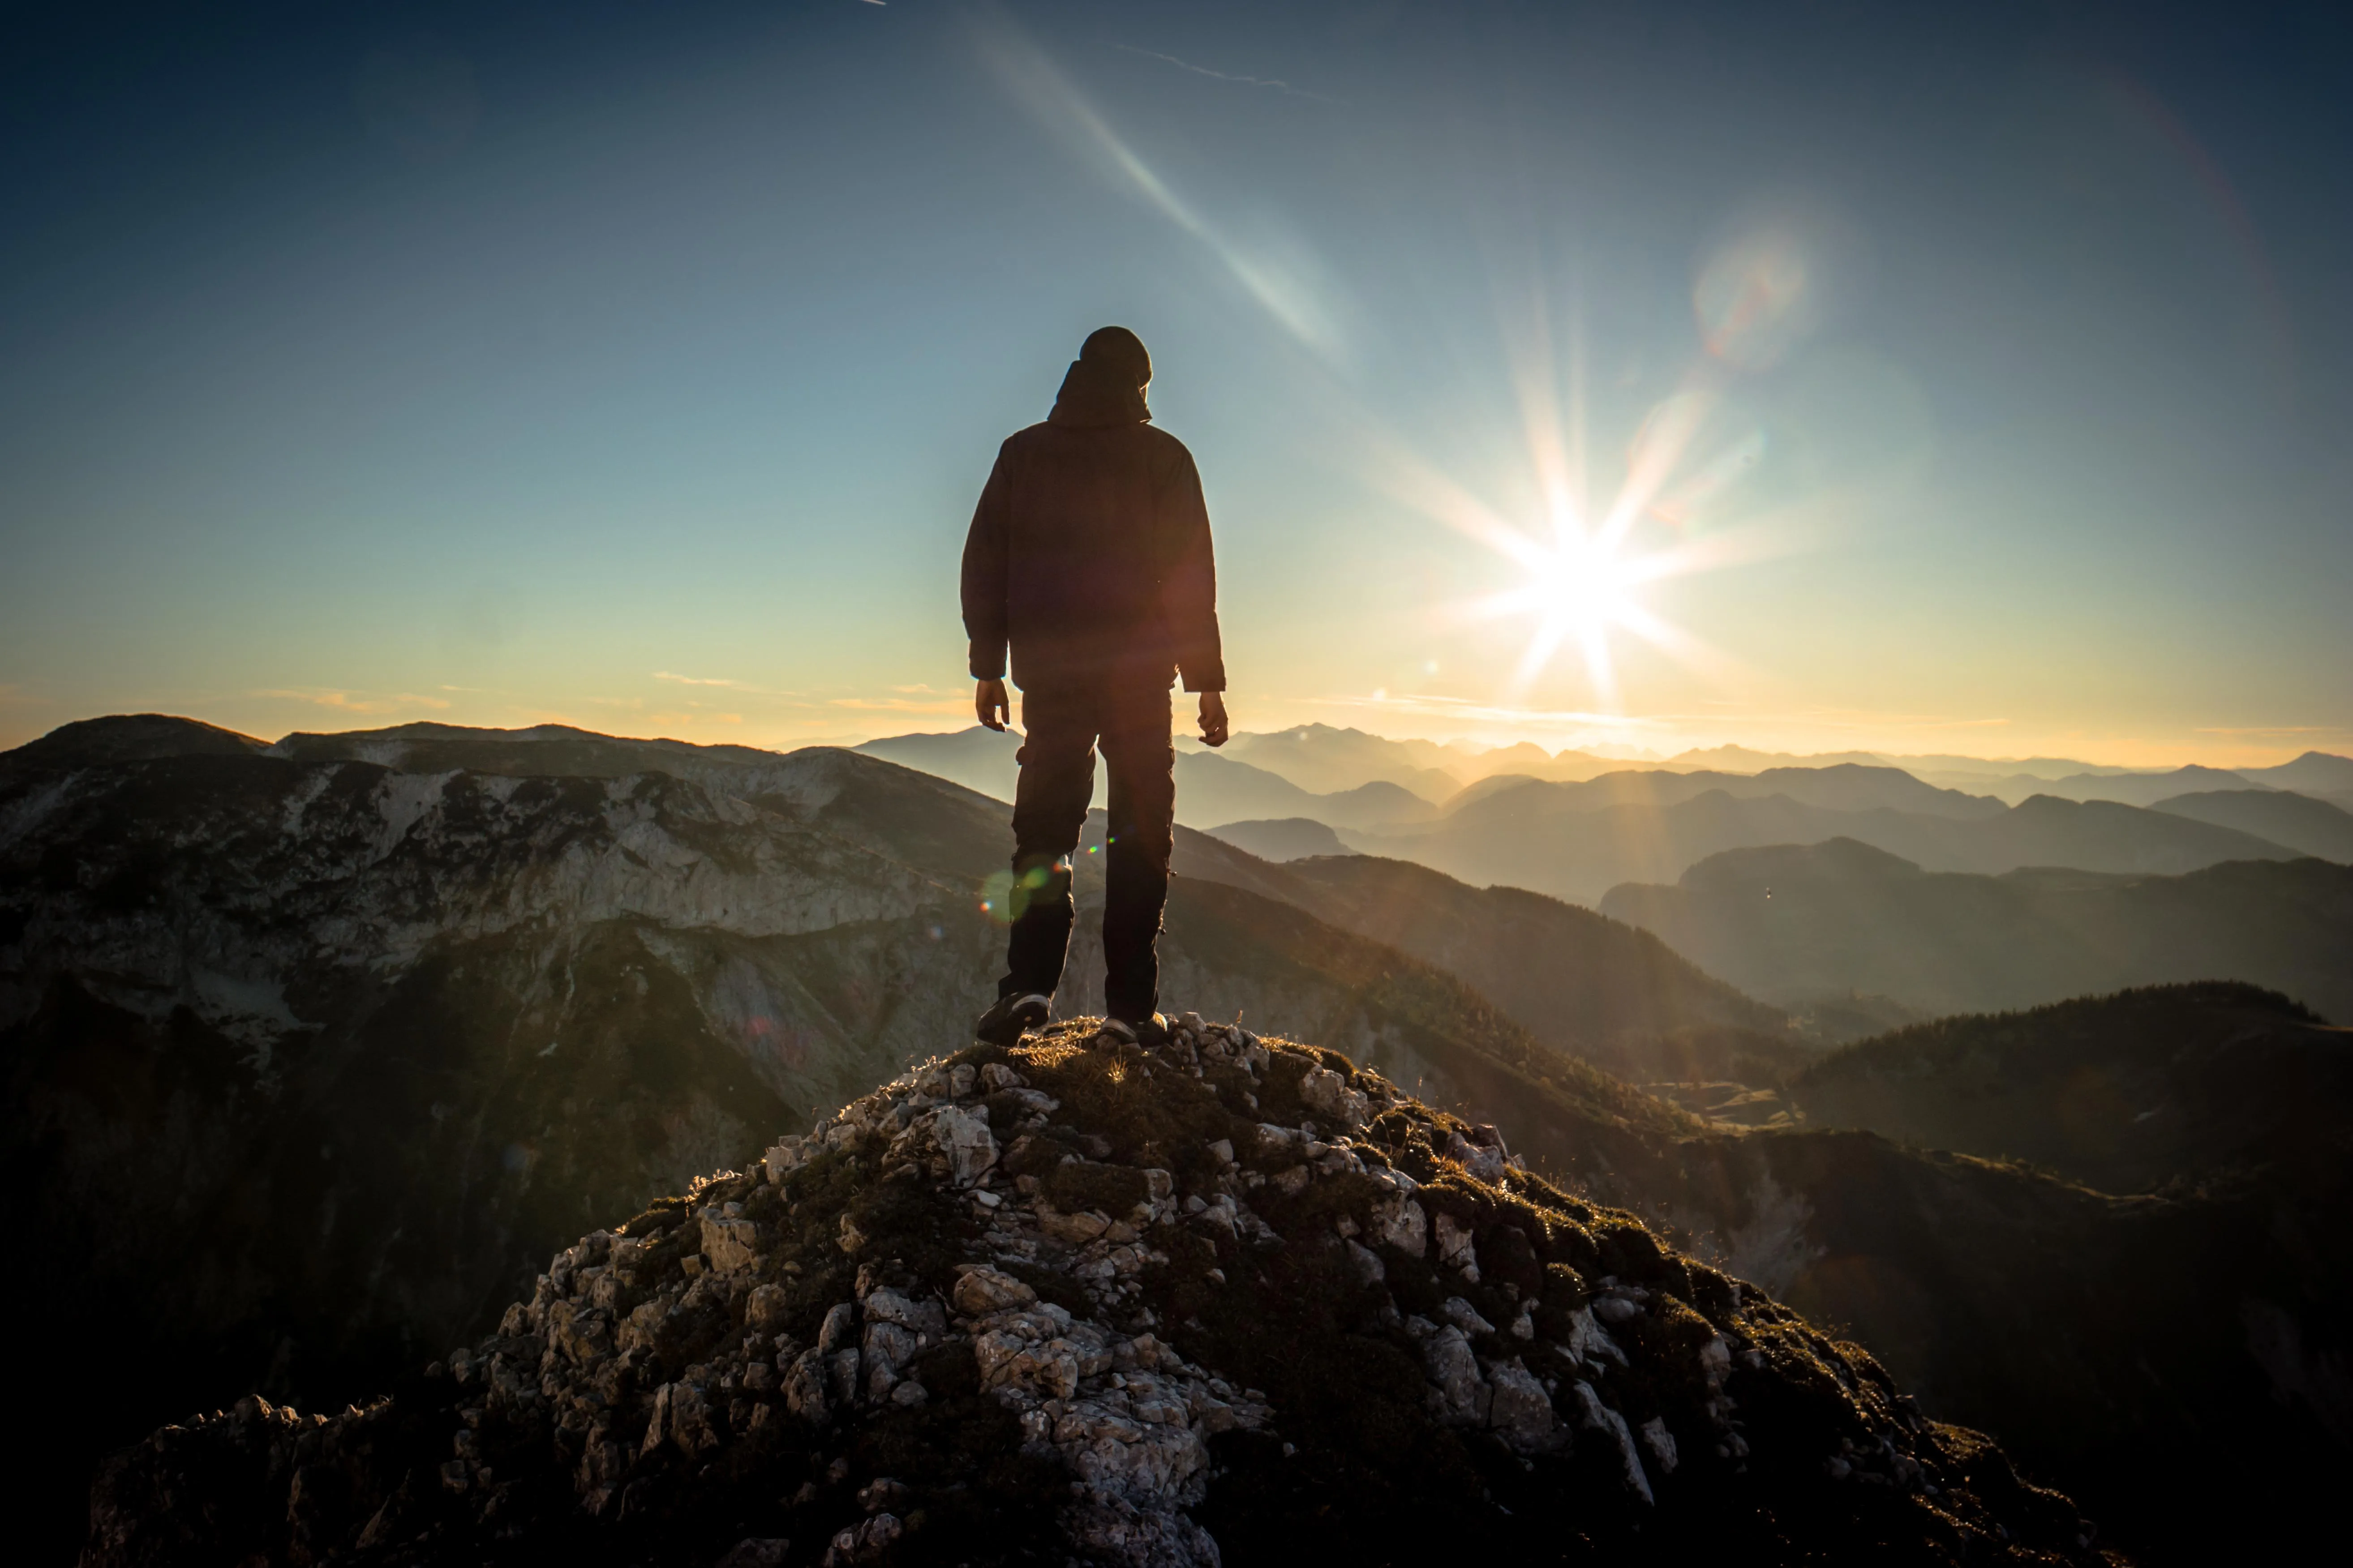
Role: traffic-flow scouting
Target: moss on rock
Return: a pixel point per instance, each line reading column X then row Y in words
column 1160, row 1313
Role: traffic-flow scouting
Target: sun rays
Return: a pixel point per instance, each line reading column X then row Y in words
column 1587, row 562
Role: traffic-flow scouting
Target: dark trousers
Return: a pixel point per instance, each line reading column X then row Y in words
column 1050, row 811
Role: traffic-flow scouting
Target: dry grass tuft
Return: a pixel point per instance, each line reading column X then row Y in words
column 1048, row 1054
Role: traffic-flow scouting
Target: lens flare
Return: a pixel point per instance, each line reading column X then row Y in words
column 1755, row 299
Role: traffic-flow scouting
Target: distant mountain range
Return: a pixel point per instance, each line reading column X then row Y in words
column 1578, row 841
column 1575, row 841
column 1787, row 922
column 1211, row 787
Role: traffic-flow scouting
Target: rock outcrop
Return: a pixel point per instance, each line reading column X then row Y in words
column 1229, row 1300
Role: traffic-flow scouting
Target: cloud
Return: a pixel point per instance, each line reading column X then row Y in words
column 2274, row 730
column 899, row 705
column 1275, row 83
column 695, row 718
column 355, row 702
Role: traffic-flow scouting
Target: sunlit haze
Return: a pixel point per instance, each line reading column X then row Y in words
column 1627, row 378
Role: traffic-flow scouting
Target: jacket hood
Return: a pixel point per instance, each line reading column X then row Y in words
column 1095, row 396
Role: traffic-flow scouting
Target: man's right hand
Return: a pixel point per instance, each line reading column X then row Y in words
column 989, row 701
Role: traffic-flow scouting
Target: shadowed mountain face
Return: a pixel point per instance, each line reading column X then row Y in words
column 1585, row 985
column 2124, row 1092
column 1283, row 838
column 2306, row 826
column 1789, row 922
column 1578, row 841
column 335, row 1049
column 131, row 738
column 542, row 752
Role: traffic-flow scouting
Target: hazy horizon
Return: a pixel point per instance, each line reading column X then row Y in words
column 1609, row 380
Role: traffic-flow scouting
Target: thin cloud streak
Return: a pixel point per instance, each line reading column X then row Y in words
column 350, row 702
column 1050, row 97
column 1275, row 82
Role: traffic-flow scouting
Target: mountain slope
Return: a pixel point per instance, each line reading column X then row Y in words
column 2314, row 773
column 128, row 738
column 1583, row 984
column 968, row 1319
column 1283, row 838
column 1785, row 923
column 2147, row 789
column 2123, row 1092
column 2304, row 825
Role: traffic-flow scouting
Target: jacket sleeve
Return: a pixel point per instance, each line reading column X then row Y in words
column 985, row 576
column 1188, row 581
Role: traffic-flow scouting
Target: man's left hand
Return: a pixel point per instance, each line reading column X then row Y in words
column 1213, row 718
column 990, row 705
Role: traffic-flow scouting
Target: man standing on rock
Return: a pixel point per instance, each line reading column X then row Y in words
column 1089, row 558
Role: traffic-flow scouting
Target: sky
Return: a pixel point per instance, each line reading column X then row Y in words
column 1815, row 377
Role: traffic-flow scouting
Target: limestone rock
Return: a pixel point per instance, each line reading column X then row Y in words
column 964, row 1137
column 1336, row 1105
column 1518, row 1406
column 1460, row 1395
column 1400, row 1222
column 730, row 1242
column 981, row 1290
column 1599, row 1417
column 1456, row 1248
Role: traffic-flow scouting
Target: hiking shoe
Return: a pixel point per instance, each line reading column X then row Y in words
column 1009, row 1017
column 1150, row 1031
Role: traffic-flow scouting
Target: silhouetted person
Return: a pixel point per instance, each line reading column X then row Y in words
column 1089, row 558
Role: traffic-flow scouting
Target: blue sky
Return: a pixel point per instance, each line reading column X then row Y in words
column 637, row 366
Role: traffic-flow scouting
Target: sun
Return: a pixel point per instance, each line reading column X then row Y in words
column 1577, row 586
column 1582, row 584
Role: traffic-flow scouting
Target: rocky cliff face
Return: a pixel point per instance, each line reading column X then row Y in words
column 306, row 1061
column 1229, row 1300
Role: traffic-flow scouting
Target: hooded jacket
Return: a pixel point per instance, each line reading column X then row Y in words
column 1089, row 557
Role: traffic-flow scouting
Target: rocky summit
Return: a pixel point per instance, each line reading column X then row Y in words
column 1225, row 1299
